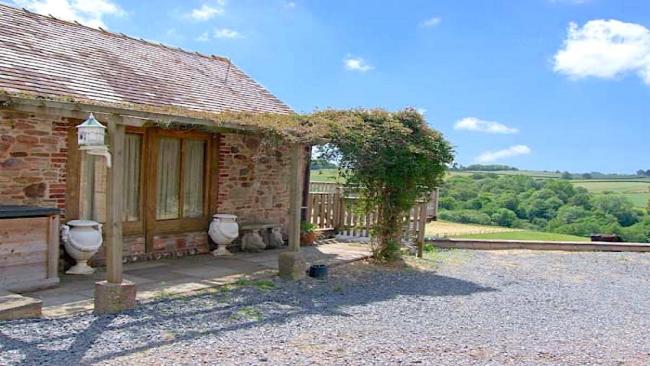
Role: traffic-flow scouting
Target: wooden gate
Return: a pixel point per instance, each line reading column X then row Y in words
column 332, row 209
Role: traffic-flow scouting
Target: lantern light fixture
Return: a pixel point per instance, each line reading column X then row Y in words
column 91, row 132
column 90, row 138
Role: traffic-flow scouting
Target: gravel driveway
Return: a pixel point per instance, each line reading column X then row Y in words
column 458, row 307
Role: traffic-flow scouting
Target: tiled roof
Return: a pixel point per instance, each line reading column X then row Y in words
column 50, row 57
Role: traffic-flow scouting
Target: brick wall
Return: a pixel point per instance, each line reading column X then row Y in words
column 33, row 155
column 253, row 178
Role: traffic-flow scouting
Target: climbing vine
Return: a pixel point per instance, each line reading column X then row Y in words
column 391, row 159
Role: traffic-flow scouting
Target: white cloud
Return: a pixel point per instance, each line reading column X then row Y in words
column 290, row 4
column 431, row 22
column 87, row 12
column 605, row 49
column 490, row 156
column 479, row 125
column 226, row 33
column 422, row 111
column 356, row 64
column 205, row 12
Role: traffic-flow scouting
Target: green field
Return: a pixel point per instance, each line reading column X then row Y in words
column 524, row 235
column 635, row 189
column 530, row 173
column 324, row 175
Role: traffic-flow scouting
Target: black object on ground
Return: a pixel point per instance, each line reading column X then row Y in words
column 318, row 271
column 611, row 238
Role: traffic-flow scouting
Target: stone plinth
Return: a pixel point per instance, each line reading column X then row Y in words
column 292, row 265
column 114, row 297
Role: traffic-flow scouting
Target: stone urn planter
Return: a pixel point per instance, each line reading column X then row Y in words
column 81, row 239
column 223, row 230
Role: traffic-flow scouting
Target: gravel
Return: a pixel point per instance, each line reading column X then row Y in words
column 457, row 307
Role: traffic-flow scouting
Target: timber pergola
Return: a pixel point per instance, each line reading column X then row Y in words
column 115, row 293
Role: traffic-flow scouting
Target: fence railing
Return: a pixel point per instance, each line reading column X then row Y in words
column 322, row 187
column 330, row 208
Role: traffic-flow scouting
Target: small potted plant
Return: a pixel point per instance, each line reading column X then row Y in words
column 308, row 233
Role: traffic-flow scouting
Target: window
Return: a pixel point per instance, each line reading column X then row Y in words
column 167, row 180
column 180, row 183
column 193, row 184
column 132, row 157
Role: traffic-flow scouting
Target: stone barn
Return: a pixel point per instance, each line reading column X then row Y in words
column 173, row 166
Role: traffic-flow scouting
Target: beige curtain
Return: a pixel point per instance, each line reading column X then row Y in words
column 168, row 178
column 193, row 178
column 131, row 196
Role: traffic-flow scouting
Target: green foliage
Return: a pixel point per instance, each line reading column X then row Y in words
column 390, row 159
column 320, row 163
column 504, row 217
column 466, row 217
column 307, row 227
column 550, row 205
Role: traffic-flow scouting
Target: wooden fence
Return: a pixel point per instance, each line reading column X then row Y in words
column 330, row 209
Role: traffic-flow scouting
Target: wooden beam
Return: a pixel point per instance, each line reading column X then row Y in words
column 296, row 180
column 114, row 190
column 132, row 117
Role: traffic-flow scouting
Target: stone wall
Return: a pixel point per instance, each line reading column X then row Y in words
column 33, row 156
column 253, row 179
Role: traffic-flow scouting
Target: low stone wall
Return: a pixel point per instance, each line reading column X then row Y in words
column 572, row 246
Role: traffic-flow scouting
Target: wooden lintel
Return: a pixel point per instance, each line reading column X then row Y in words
column 129, row 117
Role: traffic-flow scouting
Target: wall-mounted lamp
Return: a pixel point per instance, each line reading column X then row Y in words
column 90, row 137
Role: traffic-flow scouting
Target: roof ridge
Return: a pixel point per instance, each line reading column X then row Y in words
column 51, row 17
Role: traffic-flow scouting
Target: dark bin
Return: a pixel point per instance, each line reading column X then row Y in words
column 318, row 271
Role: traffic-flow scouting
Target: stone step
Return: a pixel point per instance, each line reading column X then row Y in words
column 14, row 306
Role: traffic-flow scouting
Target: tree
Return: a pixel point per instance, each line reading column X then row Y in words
column 391, row 160
column 566, row 175
column 617, row 206
column 504, row 217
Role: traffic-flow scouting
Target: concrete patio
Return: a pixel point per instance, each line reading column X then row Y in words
column 174, row 276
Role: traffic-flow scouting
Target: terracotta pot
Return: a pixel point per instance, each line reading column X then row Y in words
column 308, row 238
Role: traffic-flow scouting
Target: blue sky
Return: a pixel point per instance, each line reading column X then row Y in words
column 507, row 82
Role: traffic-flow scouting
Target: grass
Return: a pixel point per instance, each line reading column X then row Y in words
column 264, row 285
column 524, row 235
column 636, row 190
column 450, row 229
column 325, row 175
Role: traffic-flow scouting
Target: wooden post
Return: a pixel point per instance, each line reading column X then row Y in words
column 291, row 264
column 296, row 180
column 422, row 226
column 113, row 227
column 53, row 247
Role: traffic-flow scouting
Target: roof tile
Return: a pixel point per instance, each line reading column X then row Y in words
column 48, row 56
